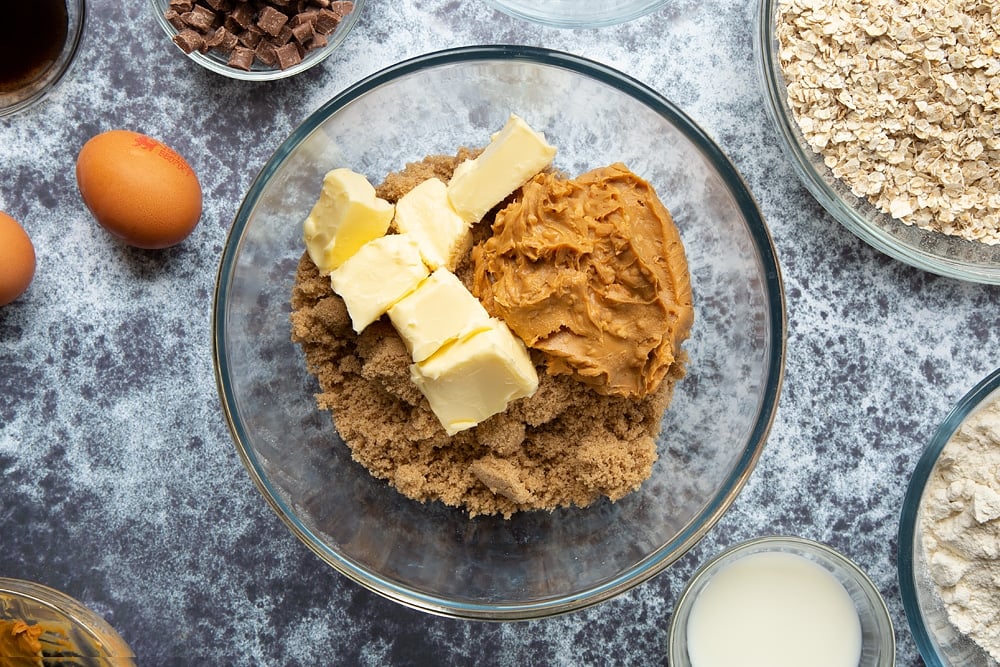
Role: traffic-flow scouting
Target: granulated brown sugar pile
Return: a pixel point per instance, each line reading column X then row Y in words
column 565, row 445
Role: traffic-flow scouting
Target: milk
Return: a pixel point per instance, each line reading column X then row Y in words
column 773, row 609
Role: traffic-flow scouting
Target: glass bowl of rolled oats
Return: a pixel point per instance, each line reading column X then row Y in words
column 257, row 40
column 888, row 112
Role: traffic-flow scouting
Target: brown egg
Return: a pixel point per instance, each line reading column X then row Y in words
column 138, row 189
column 17, row 259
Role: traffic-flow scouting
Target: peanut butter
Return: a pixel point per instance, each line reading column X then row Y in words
column 19, row 645
column 592, row 272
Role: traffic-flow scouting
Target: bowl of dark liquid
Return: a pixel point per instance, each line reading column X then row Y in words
column 38, row 39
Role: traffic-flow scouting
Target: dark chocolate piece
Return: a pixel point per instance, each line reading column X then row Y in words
column 174, row 19
column 251, row 37
column 266, row 53
column 242, row 14
column 200, row 18
column 271, row 20
column 303, row 33
column 242, row 58
column 342, row 7
column 189, row 40
column 288, row 55
column 221, row 39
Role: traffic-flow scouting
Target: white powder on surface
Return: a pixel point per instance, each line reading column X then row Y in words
column 961, row 528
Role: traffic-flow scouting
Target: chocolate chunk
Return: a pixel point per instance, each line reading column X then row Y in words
column 221, row 39
column 220, row 5
column 181, row 6
column 288, row 55
column 266, row 53
column 251, row 37
column 174, row 19
column 271, row 20
column 189, row 40
column 241, row 58
column 319, row 41
column 282, row 37
column 242, row 14
column 200, row 18
column 326, row 21
column 303, row 33
column 342, row 8
column 306, row 16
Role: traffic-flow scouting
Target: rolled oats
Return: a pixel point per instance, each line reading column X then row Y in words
column 902, row 100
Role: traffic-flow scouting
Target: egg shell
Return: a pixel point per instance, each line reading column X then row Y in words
column 139, row 189
column 17, row 259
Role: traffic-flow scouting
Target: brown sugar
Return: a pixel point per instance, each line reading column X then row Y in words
column 565, row 445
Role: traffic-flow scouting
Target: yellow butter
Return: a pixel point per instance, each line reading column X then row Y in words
column 475, row 377
column 439, row 311
column 426, row 214
column 379, row 274
column 347, row 215
column 514, row 155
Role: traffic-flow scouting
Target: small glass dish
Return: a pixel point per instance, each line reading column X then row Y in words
column 215, row 61
column 938, row 641
column 945, row 255
column 71, row 633
column 34, row 90
column 577, row 13
column 878, row 642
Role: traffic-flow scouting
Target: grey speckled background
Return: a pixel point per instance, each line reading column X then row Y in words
column 120, row 484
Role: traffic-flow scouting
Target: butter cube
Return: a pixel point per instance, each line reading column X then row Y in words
column 514, row 155
column 439, row 311
column 347, row 216
column 378, row 275
column 426, row 214
column 475, row 377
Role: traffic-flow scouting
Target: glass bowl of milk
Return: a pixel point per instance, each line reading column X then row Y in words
column 781, row 602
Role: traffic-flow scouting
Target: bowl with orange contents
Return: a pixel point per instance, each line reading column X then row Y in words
column 358, row 432
column 40, row 625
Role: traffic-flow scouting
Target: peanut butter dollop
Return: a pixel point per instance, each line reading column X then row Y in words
column 19, row 645
column 592, row 272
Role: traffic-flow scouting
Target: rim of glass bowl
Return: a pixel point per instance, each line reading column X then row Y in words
column 908, row 244
column 771, row 543
column 215, row 63
column 907, row 538
column 535, row 12
column 61, row 67
column 717, row 505
column 76, row 612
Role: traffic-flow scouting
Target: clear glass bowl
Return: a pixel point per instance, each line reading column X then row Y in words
column 577, row 13
column 216, row 62
column 430, row 556
column 878, row 642
column 938, row 253
column 940, row 644
column 36, row 90
column 72, row 634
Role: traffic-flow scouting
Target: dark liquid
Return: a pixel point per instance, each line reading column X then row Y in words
column 32, row 34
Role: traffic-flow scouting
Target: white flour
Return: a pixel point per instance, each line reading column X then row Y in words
column 961, row 528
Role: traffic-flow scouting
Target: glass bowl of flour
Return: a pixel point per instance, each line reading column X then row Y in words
column 949, row 536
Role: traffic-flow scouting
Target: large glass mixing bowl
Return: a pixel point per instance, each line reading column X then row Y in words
column 430, row 556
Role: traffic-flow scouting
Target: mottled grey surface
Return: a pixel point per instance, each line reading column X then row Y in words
column 120, row 484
